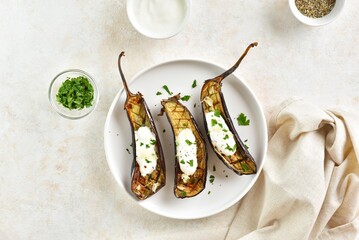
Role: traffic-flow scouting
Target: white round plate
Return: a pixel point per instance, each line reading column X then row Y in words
column 227, row 187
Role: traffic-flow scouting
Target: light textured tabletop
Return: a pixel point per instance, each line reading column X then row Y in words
column 54, row 179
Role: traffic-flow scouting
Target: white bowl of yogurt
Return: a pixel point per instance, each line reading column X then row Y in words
column 158, row 19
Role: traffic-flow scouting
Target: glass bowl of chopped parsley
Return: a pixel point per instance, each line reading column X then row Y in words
column 73, row 94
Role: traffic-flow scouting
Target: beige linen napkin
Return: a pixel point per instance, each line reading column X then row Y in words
column 309, row 186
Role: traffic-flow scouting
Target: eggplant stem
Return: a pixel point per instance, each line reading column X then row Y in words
column 235, row 66
column 124, row 82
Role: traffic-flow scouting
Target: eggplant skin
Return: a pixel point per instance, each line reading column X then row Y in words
column 139, row 115
column 180, row 118
column 212, row 99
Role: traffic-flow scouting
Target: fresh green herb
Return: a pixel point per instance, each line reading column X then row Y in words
column 217, row 113
column 226, row 137
column 244, row 167
column 177, row 143
column 147, row 146
column 220, row 124
column 245, row 145
column 232, row 149
column 190, row 162
column 188, row 142
column 128, row 151
column 131, row 145
column 76, row 93
column 164, row 130
column 194, row 106
column 209, row 192
column 182, row 162
column 185, row 98
column 211, row 179
column 224, row 130
column 193, row 180
column 228, row 147
column 184, row 124
column 141, row 144
column 167, row 89
column 147, row 161
column 214, row 168
column 194, row 84
column 242, row 120
column 158, row 93
column 152, row 142
column 213, row 122
column 183, row 194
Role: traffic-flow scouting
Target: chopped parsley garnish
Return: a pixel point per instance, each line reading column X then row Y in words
column 147, row 146
column 131, row 145
column 226, row 137
column 244, row 167
column 194, row 106
column 158, row 93
column 220, row 124
column 209, row 192
column 217, row 113
column 213, row 122
column 185, row 98
column 242, row 120
column 75, row 93
column 152, row 142
column 246, row 140
column 184, row 124
column 167, row 89
column 147, row 161
column 190, row 162
column 211, row 179
column 224, row 130
column 194, row 84
column 214, row 168
column 183, row 194
column 246, row 146
column 232, row 149
column 193, row 180
column 182, row 162
column 188, row 142
column 128, row 151
column 141, row 144
column 164, row 130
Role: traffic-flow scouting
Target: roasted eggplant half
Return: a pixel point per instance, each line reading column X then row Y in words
column 190, row 149
column 224, row 139
column 148, row 172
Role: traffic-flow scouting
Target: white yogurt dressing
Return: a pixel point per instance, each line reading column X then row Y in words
column 146, row 156
column 186, row 148
column 163, row 17
column 221, row 137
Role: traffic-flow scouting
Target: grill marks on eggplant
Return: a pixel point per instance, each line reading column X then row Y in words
column 180, row 118
column 139, row 115
column 241, row 162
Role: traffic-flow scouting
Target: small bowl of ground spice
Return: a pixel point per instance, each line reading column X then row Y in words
column 316, row 12
column 73, row 94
